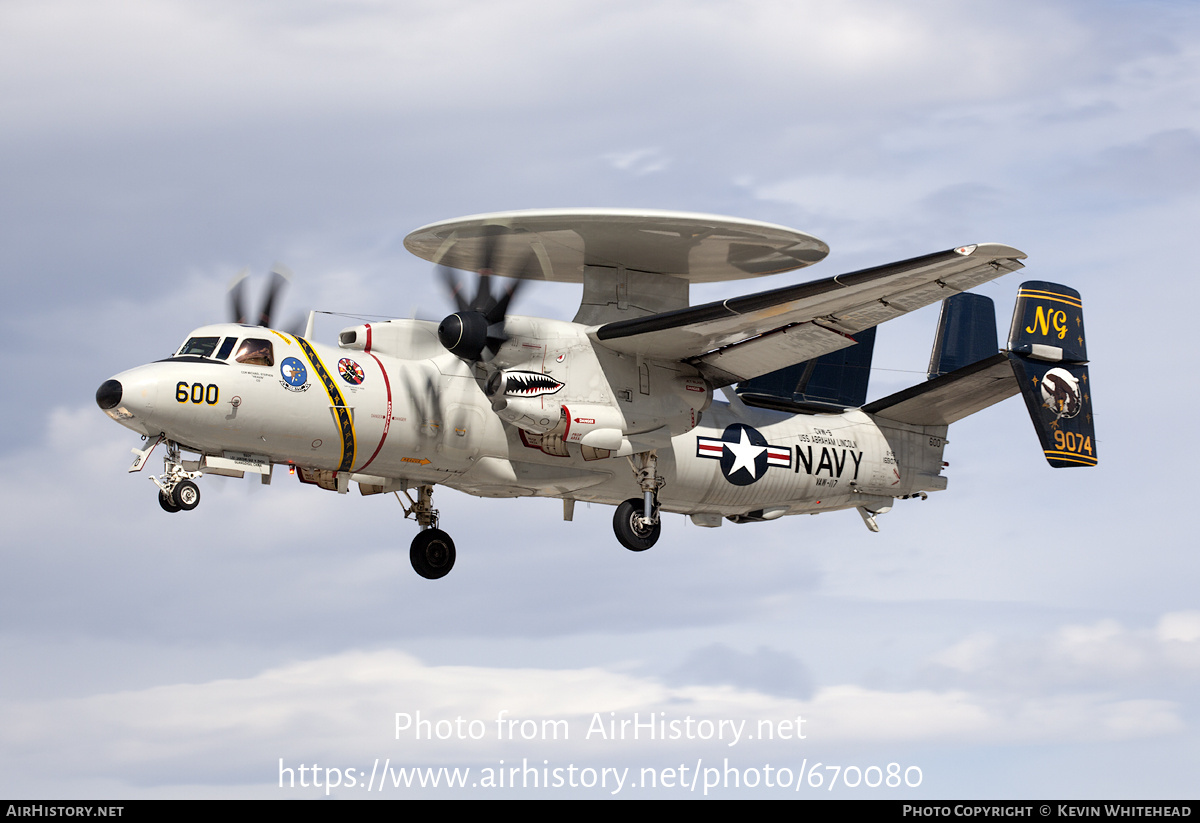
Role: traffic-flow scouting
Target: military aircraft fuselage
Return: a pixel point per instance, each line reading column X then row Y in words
column 617, row 406
column 562, row 423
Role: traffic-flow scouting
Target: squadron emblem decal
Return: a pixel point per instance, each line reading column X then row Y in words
column 1061, row 394
column 744, row 453
column 350, row 371
column 294, row 373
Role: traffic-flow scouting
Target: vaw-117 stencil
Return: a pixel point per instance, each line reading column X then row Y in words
column 617, row 406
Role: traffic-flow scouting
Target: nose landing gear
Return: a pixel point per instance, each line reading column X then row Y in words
column 177, row 490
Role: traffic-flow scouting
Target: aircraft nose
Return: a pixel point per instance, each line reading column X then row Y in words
column 109, row 394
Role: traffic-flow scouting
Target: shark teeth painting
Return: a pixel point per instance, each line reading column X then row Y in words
column 530, row 384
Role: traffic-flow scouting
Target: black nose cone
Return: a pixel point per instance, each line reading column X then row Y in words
column 109, row 394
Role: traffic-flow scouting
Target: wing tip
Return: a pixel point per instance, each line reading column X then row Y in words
column 994, row 250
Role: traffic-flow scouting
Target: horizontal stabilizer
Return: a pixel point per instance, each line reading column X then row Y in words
column 951, row 397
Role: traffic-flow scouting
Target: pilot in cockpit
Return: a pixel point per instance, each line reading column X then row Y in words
column 255, row 352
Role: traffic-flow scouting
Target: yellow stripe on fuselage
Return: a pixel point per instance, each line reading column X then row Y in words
column 341, row 412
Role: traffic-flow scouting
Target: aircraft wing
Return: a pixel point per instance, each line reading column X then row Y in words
column 743, row 337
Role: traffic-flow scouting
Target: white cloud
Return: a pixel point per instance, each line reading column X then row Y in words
column 1181, row 627
column 638, row 161
column 1105, row 653
column 341, row 711
column 134, row 62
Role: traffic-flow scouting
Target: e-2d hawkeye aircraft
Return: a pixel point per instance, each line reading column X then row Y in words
column 617, row 406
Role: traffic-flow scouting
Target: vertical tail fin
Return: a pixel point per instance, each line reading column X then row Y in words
column 832, row 382
column 966, row 333
column 1048, row 351
column 1047, row 359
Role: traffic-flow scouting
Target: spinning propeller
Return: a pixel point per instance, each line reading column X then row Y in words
column 476, row 331
column 281, row 276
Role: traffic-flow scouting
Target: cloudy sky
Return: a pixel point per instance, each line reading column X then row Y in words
column 1027, row 633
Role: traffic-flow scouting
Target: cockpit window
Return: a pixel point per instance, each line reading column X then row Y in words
column 256, row 352
column 199, row 347
column 226, row 348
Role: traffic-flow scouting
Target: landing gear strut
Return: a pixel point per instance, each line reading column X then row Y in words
column 432, row 552
column 636, row 521
column 177, row 490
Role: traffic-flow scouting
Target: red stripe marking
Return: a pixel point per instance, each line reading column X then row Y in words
column 387, row 420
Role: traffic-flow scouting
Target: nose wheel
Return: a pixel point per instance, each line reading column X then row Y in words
column 186, row 495
column 177, row 490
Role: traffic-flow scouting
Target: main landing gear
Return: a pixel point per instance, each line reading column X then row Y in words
column 432, row 552
column 177, row 490
column 636, row 522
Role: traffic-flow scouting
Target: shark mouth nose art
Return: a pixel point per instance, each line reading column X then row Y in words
column 529, row 384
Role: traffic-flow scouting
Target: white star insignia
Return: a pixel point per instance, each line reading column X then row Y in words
column 744, row 454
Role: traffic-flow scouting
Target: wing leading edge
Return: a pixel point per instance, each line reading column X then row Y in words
column 744, row 337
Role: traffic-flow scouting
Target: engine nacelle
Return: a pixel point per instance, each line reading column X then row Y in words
column 555, row 381
column 526, row 399
column 408, row 339
column 589, row 424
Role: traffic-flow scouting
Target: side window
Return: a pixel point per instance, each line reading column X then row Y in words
column 255, row 352
column 198, row 347
column 226, row 348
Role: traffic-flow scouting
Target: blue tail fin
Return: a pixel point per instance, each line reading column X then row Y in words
column 831, row 382
column 966, row 333
column 1048, row 351
column 1046, row 362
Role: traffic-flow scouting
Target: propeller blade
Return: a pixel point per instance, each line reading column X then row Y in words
column 237, row 303
column 490, row 239
column 454, row 287
column 483, row 301
column 500, row 310
column 281, row 275
column 476, row 331
column 297, row 326
column 494, row 342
